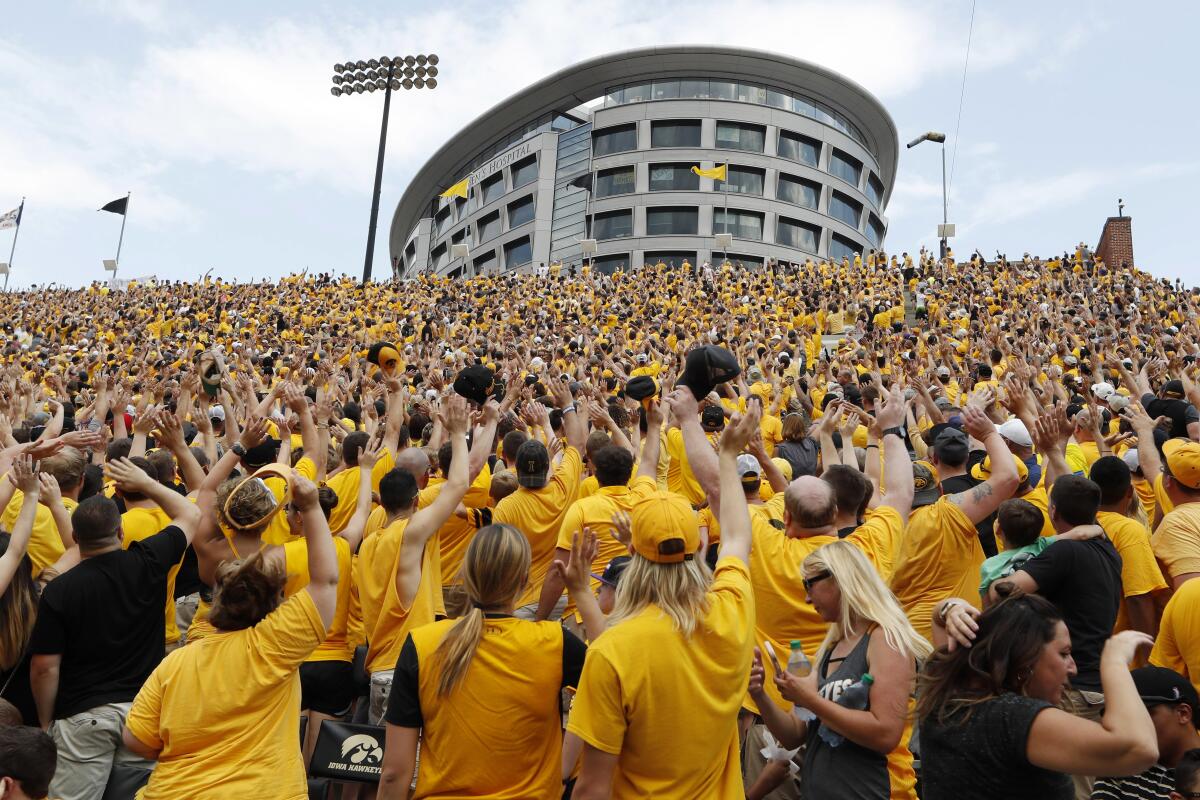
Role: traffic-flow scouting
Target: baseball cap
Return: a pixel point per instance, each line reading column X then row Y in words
column 263, row 453
column 1131, row 459
column 1069, row 359
column 665, row 528
column 1118, row 402
column 706, row 367
column 748, row 465
column 1183, row 461
column 1103, row 390
column 533, row 464
column 641, row 388
column 943, row 370
column 951, row 444
column 983, row 470
column 1158, row 686
column 925, row 485
column 1015, row 431
column 943, row 403
column 612, row 573
column 642, row 358
column 712, row 418
column 1173, row 390
column 474, row 383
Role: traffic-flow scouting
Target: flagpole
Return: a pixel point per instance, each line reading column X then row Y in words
column 725, row 191
column 121, row 238
column 20, row 213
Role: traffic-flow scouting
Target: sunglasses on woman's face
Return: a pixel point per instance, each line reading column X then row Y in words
column 815, row 579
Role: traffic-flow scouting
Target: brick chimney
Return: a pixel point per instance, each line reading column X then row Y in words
column 1116, row 242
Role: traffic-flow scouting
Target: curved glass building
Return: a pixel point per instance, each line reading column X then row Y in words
column 810, row 161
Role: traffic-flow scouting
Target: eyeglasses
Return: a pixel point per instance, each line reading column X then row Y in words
column 815, row 579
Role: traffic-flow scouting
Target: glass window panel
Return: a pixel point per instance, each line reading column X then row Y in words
column 637, row 93
column 841, row 247
column 486, row 263
column 744, row 180
column 671, row 258
column 614, row 96
column 439, row 256
column 609, row 182
column 799, row 191
column 665, row 90
column 518, row 253
column 493, row 188
column 745, row 262
column 799, row 148
column 693, row 88
column 675, row 133
column 617, row 139
column 442, row 222
column 752, row 93
column 794, row 233
column 459, row 236
column 742, row 224
column 805, row 107
column 845, row 209
column 520, row 212
column 613, row 224
column 874, row 230
column 875, row 190
column 845, row 167
column 489, row 227
column 735, row 136
column 609, row 264
column 525, row 172
column 778, row 99
column 673, row 177
column 722, row 90
column 661, row 221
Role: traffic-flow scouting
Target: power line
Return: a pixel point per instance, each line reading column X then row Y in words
column 961, row 94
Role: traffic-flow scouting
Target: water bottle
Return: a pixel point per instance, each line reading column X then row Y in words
column 856, row 697
column 799, row 665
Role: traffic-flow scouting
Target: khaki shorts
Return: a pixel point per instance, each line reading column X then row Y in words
column 88, row 743
column 381, row 689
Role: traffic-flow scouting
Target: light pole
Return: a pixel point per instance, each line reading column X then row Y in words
column 356, row 77
column 940, row 138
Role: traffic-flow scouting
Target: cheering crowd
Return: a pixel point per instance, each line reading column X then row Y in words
column 893, row 527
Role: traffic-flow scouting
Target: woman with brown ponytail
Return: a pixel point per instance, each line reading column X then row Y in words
column 482, row 691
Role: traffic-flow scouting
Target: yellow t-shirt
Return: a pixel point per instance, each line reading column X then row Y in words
column 680, row 478
column 772, row 432
column 223, row 710
column 1177, row 645
column 45, row 543
column 940, row 557
column 538, row 513
column 639, row 709
column 336, row 646
column 278, row 531
column 498, row 734
column 346, row 483
column 1176, row 543
column 1140, row 574
column 456, row 532
column 141, row 523
column 395, row 619
column 596, row 512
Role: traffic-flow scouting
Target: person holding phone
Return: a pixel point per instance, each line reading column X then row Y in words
column 867, row 754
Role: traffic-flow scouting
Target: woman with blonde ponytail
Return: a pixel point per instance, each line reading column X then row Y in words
column 482, row 692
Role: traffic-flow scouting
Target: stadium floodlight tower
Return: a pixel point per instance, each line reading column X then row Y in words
column 383, row 74
column 945, row 229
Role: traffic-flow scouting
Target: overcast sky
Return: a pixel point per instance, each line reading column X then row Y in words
column 218, row 117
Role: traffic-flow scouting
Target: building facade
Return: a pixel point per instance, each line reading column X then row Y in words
column 604, row 151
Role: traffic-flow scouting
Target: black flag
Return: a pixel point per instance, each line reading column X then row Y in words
column 117, row 206
column 582, row 182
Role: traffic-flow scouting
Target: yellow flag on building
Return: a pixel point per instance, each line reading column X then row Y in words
column 716, row 173
column 457, row 190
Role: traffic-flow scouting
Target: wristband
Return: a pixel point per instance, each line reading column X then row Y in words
column 569, row 407
column 239, row 449
column 894, row 431
column 946, row 610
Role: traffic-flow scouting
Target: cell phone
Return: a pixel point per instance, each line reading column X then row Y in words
column 774, row 659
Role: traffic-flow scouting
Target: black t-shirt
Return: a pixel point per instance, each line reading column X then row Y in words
column 985, row 529
column 105, row 617
column 980, row 753
column 404, row 701
column 1083, row 579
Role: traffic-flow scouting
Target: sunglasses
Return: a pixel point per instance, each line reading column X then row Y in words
column 808, row 583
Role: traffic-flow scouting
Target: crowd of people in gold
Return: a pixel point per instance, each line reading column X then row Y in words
column 893, row 527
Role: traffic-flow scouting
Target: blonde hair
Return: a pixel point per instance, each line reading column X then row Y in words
column 865, row 597
column 495, row 571
column 253, row 501
column 245, row 591
column 678, row 590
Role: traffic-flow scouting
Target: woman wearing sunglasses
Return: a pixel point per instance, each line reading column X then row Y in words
column 851, row 752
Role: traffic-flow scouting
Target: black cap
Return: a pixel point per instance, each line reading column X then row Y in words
column 706, row 367
column 712, row 418
column 262, row 453
column 1173, row 390
column 533, row 464
column 1161, row 686
column 474, row 383
column 641, row 388
column 951, row 445
column 612, row 573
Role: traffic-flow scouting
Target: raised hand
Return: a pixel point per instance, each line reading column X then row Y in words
column 576, row 573
column 129, row 476
column 740, row 429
